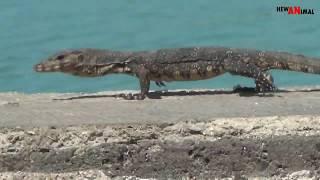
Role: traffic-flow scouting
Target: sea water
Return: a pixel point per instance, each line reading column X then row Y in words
column 33, row 30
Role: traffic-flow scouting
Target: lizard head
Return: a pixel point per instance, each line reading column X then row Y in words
column 84, row 62
column 61, row 62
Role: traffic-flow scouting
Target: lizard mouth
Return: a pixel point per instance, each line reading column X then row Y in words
column 44, row 68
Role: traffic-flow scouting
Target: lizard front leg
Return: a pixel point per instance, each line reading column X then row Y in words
column 144, row 86
column 263, row 80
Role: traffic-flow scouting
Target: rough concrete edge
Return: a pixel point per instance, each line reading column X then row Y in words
column 97, row 174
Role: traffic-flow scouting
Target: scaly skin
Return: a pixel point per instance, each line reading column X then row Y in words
column 180, row 64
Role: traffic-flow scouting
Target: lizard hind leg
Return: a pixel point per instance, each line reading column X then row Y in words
column 144, row 86
column 263, row 80
column 265, row 83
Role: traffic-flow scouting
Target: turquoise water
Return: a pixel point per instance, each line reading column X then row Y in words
column 34, row 29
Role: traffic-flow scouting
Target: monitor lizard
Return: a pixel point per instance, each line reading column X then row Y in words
column 179, row 64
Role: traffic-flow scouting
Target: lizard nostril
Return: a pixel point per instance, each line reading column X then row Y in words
column 38, row 67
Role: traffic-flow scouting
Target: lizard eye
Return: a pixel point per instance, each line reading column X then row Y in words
column 60, row 57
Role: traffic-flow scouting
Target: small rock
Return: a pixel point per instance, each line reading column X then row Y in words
column 11, row 149
column 164, row 125
column 30, row 133
column 11, row 104
column 300, row 174
column 13, row 139
column 43, row 150
column 195, row 130
column 108, row 131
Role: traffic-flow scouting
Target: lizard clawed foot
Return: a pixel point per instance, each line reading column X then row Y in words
column 261, row 88
column 131, row 96
column 246, row 91
column 239, row 88
column 160, row 83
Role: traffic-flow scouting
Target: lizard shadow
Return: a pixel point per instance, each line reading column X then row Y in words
column 243, row 91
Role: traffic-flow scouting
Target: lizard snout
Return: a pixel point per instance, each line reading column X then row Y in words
column 43, row 68
column 38, row 67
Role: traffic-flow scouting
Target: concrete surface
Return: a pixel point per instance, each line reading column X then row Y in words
column 42, row 110
column 184, row 135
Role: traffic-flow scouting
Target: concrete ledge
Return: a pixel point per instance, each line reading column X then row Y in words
column 200, row 134
column 42, row 110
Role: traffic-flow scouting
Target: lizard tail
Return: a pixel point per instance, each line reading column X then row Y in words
column 292, row 62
